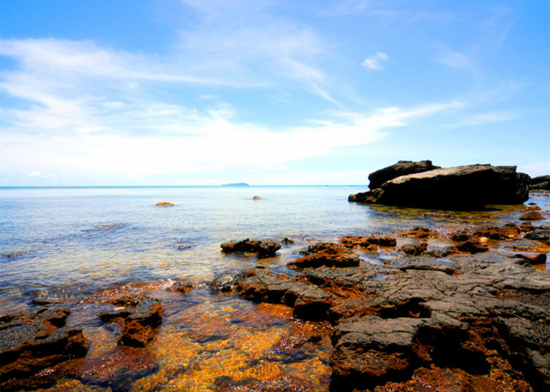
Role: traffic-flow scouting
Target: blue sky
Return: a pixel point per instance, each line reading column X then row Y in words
column 196, row 92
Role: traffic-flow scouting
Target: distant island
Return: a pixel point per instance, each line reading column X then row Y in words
column 236, row 184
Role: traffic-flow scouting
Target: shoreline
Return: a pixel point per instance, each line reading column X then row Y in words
column 338, row 308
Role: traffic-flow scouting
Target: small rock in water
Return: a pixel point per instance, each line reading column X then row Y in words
column 264, row 248
column 532, row 215
column 165, row 204
column 181, row 247
column 256, row 198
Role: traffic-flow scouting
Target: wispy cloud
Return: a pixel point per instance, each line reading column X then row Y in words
column 374, row 62
column 454, row 59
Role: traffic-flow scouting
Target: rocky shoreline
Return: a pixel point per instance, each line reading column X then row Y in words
column 473, row 315
column 421, row 309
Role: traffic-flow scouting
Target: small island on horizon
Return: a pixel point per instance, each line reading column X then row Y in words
column 236, row 184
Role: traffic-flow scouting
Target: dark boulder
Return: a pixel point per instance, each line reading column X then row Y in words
column 264, row 248
column 401, row 168
column 542, row 235
column 470, row 187
column 541, row 183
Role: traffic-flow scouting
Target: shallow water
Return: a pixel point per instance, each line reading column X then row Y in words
column 70, row 242
column 86, row 239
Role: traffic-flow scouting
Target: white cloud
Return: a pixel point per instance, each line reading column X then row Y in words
column 454, row 59
column 212, row 140
column 373, row 62
column 84, row 119
column 35, row 174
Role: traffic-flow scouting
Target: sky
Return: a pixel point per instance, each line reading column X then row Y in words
column 286, row 92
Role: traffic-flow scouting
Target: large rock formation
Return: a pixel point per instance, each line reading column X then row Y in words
column 401, row 168
column 541, row 183
column 459, row 188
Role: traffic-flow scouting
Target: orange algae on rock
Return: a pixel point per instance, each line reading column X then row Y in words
column 164, row 204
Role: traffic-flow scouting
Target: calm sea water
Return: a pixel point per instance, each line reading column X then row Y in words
column 85, row 239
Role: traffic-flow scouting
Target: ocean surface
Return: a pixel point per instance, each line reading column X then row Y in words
column 84, row 239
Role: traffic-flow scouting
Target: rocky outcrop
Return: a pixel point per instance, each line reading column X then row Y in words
column 401, row 168
column 469, row 187
column 541, row 183
column 139, row 316
column 32, row 342
column 264, row 248
column 326, row 254
column 461, row 323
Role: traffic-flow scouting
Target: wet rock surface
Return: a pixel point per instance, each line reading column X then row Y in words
column 139, row 316
column 31, row 343
column 464, row 310
column 465, row 322
column 264, row 248
column 326, row 254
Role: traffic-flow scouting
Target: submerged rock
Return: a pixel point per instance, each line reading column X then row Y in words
column 139, row 316
column 32, row 342
column 460, row 188
column 264, row 248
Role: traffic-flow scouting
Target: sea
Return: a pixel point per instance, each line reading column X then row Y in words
column 64, row 244
column 93, row 238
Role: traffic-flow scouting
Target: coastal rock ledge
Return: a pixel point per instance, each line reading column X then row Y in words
column 469, row 187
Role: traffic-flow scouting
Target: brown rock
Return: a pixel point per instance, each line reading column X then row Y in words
column 420, row 232
column 264, row 248
column 326, row 254
column 182, row 287
column 164, row 204
column 31, row 342
column 507, row 232
column 532, row 215
column 539, row 258
column 309, row 301
column 139, row 316
column 415, row 249
column 471, row 246
column 366, row 242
